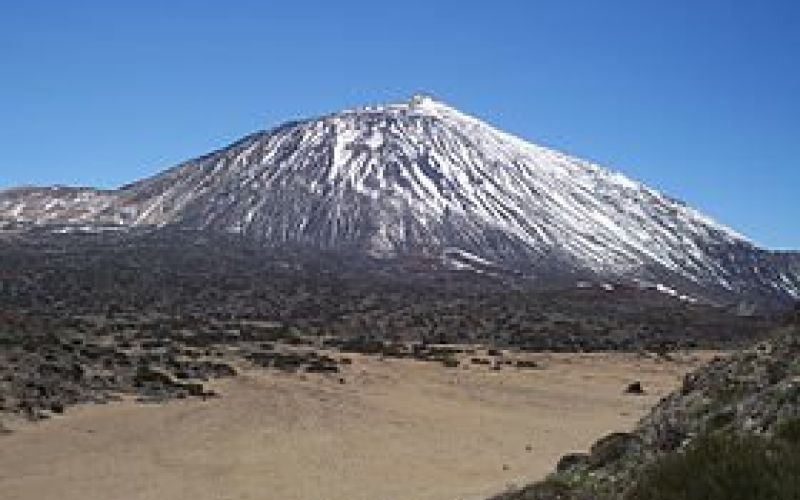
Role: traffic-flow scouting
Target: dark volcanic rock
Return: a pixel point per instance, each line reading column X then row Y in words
column 571, row 460
column 634, row 388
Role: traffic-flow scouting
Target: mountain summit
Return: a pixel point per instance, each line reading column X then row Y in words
column 421, row 178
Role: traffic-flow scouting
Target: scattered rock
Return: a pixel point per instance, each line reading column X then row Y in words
column 194, row 389
column 450, row 362
column 571, row 460
column 634, row 388
column 611, row 448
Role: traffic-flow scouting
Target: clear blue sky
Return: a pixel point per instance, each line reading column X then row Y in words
column 698, row 98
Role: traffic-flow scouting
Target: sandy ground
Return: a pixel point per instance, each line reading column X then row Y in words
column 397, row 429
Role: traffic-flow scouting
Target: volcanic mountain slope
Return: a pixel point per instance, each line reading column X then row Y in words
column 420, row 178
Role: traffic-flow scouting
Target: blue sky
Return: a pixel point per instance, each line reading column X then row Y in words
column 700, row 99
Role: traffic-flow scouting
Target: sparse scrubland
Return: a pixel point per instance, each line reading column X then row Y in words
column 87, row 317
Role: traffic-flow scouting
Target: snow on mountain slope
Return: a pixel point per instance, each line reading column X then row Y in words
column 421, row 177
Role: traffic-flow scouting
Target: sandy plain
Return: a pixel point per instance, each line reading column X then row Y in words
column 394, row 430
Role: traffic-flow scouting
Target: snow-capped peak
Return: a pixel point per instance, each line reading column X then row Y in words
column 419, row 177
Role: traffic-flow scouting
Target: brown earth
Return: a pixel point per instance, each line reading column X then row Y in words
column 396, row 429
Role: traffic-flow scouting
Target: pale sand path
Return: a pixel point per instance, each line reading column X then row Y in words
column 396, row 430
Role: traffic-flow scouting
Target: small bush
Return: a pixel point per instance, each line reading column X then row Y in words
column 549, row 489
column 789, row 431
column 724, row 467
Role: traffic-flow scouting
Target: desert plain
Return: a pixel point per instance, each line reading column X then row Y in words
column 381, row 429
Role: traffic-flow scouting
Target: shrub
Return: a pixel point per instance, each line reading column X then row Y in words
column 723, row 466
column 789, row 431
column 549, row 489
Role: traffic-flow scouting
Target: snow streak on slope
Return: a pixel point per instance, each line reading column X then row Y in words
column 419, row 178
